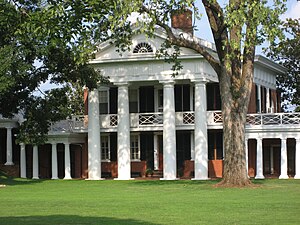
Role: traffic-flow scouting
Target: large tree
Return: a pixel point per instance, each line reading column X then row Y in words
column 237, row 28
column 44, row 40
column 287, row 53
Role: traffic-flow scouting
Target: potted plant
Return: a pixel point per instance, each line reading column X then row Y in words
column 149, row 172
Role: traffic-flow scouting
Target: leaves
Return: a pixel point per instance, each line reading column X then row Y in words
column 44, row 40
column 287, row 53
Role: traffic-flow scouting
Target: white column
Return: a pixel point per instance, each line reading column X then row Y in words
column 156, row 155
column 67, row 162
column 35, row 163
column 124, row 167
column 22, row 160
column 201, row 147
column 268, row 106
column 259, row 98
column 9, row 161
column 54, row 161
column 192, row 145
column 283, row 161
column 169, row 133
column 259, row 159
column 94, row 146
column 297, row 160
column 247, row 150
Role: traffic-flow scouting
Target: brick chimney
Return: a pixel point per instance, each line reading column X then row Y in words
column 182, row 19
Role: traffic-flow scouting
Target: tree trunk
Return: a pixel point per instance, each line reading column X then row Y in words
column 234, row 119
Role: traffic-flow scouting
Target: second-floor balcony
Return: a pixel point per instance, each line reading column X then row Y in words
column 184, row 120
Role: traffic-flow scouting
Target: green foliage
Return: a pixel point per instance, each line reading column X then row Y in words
column 287, row 53
column 170, row 57
column 44, row 40
column 39, row 112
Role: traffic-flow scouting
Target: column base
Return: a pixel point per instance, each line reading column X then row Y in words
column 259, row 177
column 35, row 178
column 67, row 178
column 204, row 178
column 54, row 178
column 124, row 179
column 283, row 177
column 170, row 178
column 9, row 164
column 95, row 179
column 297, row 177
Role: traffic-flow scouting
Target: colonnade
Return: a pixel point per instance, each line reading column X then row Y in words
column 283, row 158
column 169, row 133
column 35, row 161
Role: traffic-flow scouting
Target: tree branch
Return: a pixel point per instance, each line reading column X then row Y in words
column 183, row 42
column 216, row 19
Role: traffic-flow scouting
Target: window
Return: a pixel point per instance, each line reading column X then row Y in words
column 103, row 102
column 105, row 150
column 134, row 147
column 142, row 47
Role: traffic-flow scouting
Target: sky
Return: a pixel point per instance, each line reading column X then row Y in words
column 293, row 11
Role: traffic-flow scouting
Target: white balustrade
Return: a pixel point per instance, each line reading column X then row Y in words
column 79, row 123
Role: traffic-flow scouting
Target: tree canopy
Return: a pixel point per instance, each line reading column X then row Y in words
column 47, row 41
column 287, row 53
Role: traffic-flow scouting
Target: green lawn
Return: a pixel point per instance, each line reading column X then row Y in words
column 147, row 202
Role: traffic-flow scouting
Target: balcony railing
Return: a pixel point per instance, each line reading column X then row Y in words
column 139, row 120
column 273, row 119
column 62, row 126
column 258, row 119
column 150, row 119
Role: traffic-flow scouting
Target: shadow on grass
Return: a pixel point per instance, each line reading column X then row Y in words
column 6, row 180
column 68, row 219
column 176, row 182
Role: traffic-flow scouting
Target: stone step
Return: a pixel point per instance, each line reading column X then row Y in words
column 157, row 174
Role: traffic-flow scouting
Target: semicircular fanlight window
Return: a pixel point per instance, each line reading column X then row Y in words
column 142, row 47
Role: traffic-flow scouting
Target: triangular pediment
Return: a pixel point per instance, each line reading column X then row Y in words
column 108, row 52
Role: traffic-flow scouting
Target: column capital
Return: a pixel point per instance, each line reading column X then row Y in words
column 22, row 144
column 258, row 138
column 52, row 142
column 121, row 83
column 66, row 142
column 202, row 80
column 167, row 82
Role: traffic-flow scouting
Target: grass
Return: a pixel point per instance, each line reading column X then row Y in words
column 137, row 202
